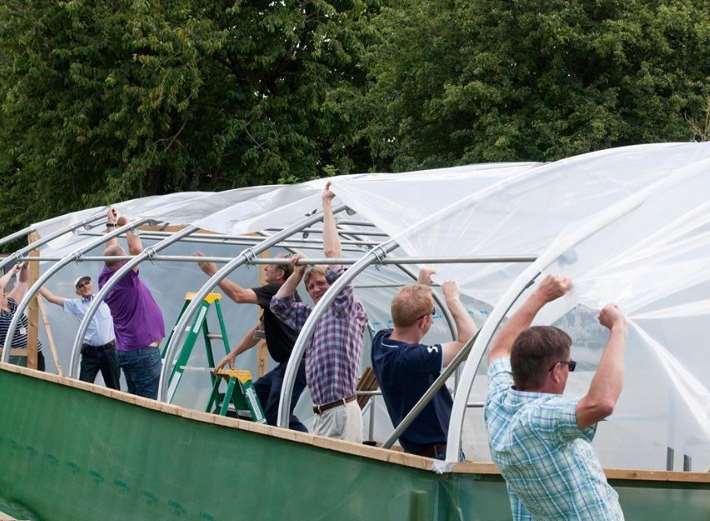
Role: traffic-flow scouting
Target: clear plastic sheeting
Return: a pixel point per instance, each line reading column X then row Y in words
column 629, row 225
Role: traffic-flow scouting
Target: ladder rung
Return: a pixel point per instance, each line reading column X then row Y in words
column 217, row 336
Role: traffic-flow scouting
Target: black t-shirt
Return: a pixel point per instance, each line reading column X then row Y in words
column 279, row 337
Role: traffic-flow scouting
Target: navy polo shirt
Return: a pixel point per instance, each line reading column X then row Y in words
column 405, row 372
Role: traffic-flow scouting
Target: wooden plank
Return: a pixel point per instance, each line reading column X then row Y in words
column 50, row 338
column 33, row 308
column 262, row 352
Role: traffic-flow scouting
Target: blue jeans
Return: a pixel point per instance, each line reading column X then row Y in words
column 268, row 389
column 141, row 367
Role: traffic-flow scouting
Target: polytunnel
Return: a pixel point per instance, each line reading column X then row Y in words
column 629, row 225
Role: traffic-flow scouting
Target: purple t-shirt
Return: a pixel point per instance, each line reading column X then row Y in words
column 137, row 319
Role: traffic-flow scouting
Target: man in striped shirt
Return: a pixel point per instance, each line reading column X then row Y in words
column 333, row 357
column 540, row 440
column 8, row 307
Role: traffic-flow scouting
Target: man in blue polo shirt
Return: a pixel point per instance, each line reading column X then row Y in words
column 98, row 353
column 405, row 368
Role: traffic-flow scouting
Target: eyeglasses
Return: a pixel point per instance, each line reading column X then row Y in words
column 569, row 363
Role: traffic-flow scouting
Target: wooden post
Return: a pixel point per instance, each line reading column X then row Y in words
column 33, row 308
column 50, row 338
column 262, row 352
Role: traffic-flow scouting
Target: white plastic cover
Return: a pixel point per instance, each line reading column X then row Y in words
column 651, row 260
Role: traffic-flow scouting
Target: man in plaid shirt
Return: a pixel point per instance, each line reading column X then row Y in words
column 539, row 439
column 333, row 357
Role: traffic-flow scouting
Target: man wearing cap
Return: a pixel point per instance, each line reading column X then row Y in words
column 98, row 353
column 137, row 319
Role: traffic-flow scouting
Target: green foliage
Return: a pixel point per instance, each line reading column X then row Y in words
column 107, row 100
column 472, row 81
column 103, row 101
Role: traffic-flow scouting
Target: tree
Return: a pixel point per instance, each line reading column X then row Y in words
column 459, row 82
column 104, row 100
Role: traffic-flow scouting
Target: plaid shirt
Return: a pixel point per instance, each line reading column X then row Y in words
column 333, row 358
column 548, row 463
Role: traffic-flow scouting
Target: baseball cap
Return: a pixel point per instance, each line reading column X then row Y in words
column 80, row 279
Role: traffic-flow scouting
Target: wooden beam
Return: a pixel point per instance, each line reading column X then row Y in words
column 33, row 308
column 50, row 338
column 262, row 352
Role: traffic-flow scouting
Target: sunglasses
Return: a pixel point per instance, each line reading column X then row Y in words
column 433, row 312
column 82, row 284
column 569, row 363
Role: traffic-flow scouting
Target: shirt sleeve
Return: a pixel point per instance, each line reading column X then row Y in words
column 71, row 306
column 345, row 300
column 264, row 294
column 559, row 416
column 500, row 376
column 290, row 311
column 422, row 359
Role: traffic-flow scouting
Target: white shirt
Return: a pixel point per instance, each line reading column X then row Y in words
column 100, row 330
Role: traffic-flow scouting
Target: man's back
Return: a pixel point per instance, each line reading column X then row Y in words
column 405, row 372
column 547, row 461
column 138, row 321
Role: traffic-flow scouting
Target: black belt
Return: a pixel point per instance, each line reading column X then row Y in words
column 320, row 409
column 104, row 347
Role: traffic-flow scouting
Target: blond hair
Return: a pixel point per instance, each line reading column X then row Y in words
column 316, row 269
column 410, row 304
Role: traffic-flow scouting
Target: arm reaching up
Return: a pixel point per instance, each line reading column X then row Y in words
column 233, row 290
column 289, row 287
column 18, row 292
column 604, row 391
column 465, row 325
column 51, row 297
column 331, row 240
column 551, row 288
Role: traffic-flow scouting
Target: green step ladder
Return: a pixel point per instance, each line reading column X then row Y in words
column 240, row 392
column 199, row 326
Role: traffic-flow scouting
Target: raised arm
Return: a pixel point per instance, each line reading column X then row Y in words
column 331, row 240
column 289, row 287
column 18, row 292
column 51, row 297
column 111, row 218
column 135, row 245
column 233, row 290
column 604, row 391
column 465, row 325
column 552, row 287
column 5, row 279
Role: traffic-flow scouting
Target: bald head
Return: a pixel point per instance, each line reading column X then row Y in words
column 114, row 251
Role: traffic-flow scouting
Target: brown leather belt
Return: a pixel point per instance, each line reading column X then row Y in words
column 320, row 409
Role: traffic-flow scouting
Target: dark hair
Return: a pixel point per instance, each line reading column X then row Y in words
column 287, row 269
column 534, row 351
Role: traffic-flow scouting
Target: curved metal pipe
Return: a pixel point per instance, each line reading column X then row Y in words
column 29, row 295
column 244, row 257
column 44, row 240
column 16, row 235
column 304, row 337
column 521, row 283
column 110, row 283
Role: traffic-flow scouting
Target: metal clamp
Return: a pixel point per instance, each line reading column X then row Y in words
column 379, row 253
column 249, row 255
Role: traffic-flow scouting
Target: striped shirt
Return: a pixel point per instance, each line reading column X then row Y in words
column 333, row 357
column 19, row 341
column 547, row 461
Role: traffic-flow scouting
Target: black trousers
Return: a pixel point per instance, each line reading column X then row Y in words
column 268, row 389
column 100, row 358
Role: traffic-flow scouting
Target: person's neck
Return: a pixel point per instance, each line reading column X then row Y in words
column 406, row 334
